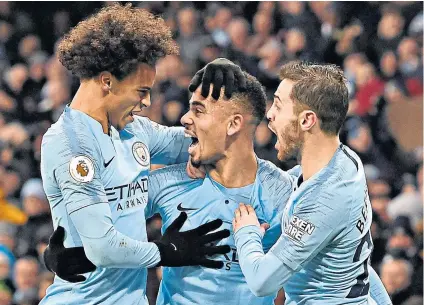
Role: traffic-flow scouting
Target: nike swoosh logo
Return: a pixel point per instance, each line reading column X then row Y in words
column 180, row 208
column 107, row 164
column 175, row 247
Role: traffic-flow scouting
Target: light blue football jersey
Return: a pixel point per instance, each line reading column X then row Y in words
column 84, row 170
column 171, row 191
column 325, row 242
column 326, row 227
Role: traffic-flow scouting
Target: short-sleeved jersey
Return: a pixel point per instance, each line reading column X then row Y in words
column 326, row 235
column 81, row 166
column 171, row 191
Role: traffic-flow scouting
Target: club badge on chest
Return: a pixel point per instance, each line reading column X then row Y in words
column 141, row 153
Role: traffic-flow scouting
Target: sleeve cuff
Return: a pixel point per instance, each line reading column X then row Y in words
column 248, row 233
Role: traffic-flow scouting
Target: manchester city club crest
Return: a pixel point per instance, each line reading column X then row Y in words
column 141, row 153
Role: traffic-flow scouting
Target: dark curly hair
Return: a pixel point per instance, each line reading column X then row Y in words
column 116, row 39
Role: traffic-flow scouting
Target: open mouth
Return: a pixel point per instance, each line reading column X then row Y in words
column 193, row 145
column 194, row 141
column 272, row 129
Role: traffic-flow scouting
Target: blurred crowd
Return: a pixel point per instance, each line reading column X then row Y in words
column 378, row 44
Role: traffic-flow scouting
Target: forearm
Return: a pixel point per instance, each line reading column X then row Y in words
column 105, row 246
column 265, row 273
column 377, row 291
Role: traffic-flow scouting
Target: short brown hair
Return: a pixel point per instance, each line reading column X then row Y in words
column 320, row 88
column 116, row 39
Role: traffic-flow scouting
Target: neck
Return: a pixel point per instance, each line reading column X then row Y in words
column 317, row 151
column 237, row 169
column 88, row 100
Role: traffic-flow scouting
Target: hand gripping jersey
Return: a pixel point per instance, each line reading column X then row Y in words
column 322, row 256
column 171, row 191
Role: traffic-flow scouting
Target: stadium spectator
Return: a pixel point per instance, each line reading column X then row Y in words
column 396, row 275
column 39, row 224
column 26, row 280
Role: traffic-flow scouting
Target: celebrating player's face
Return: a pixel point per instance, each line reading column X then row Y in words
column 284, row 122
column 206, row 123
column 130, row 95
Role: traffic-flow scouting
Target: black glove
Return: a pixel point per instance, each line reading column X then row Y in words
column 219, row 72
column 67, row 263
column 190, row 248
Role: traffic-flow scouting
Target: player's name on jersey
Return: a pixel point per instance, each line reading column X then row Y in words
column 297, row 228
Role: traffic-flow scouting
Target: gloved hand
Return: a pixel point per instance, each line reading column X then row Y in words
column 190, row 248
column 219, row 72
column 67, row 263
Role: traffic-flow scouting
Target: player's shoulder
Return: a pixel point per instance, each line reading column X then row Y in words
column 348, row 160
column 317, row 202
column 175, row 169
column 272, row 176
column 331, row 194
column 172, row 174
column 70, row 135
column 170, row 181
column 329, row 184
column 145, row 129
column 139, row 121
column 70, row 124
column 144, row 124
column 273, row 183
column 342, row 173
column 346, row 176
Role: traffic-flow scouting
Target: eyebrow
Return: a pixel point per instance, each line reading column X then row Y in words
column 197, row 103
column 278, row 98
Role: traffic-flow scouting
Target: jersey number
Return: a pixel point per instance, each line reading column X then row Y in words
column 360, row 288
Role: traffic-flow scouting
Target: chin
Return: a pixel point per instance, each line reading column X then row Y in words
column 120, row 127
column 285, row 154
column 282, row 156
column 281, row 153
column 196, row 163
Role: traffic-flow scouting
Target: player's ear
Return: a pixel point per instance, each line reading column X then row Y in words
column 307, row 119
column 235, row 124
column 106, row 79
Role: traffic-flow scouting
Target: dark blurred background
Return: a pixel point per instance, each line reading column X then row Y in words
column 378, row 44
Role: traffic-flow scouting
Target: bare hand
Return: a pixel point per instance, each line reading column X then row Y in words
column 245, row 216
